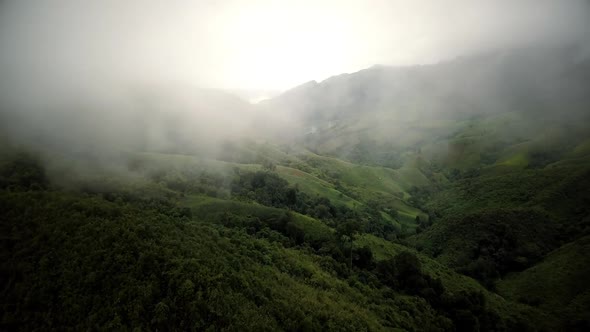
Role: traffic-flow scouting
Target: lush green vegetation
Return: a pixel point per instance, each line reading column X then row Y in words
column 558, row 284
column 402, row 210
column 152, row 255
column 302, row 242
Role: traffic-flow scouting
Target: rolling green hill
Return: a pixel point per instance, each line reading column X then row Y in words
column 557, row 285
column 396, row 199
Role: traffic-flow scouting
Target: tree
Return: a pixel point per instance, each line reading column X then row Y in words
column 347, row 232
column 363, row 257
column 268, row 165
column 402, row 271
column 25, row 172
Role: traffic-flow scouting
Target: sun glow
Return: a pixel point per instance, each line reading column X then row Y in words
column 281, row 47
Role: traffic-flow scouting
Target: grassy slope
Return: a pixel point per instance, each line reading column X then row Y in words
column 211, row 209
column 314, row 186
column 454, row 241
column 558, row 284
column 207, row 208
column 78, row 247
column 374, row 183
column 454, row 282
column 507, row 139
column 366, row 182
column 559, row 194
column 495, row 189
column 527, row 188
column 550, row 201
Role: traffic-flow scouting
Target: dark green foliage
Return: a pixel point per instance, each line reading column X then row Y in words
column 346, row 233
column 119, row 259
column 86, row 263
column 421, row 195
column 348, row 229
column 368, row 152
column 480, row 237
column 423, row 224
column 190, row 181
column 404, row 272
column 495, row 184
column 264, row 187
column 496, row 224
column 557, row 285
column 290, row 232
column 269, row 165
column 491, row 243
column 467, row 310
column 269, row 189
column 362, row 257
column 24, row 171
column 79, row 261
column 561, row 191
column 540, row 159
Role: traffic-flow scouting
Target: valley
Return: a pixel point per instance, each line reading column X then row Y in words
column 392, row 199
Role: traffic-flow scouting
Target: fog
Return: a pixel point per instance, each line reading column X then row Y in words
column 263, row 44
column 177, row 76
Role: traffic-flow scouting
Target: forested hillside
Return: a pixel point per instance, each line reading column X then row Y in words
column 395, row 199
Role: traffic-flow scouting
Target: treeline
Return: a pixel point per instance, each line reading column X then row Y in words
column 74, row 263
column 491, row 225
column 269, row 189
column 118, row 259
column 86, row 263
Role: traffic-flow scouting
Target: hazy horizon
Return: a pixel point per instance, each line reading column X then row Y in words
column 415, row 165
column 155, row 75
column 262, row 45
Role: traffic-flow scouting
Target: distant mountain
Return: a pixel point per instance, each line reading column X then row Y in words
column 447, row 197
column 501, row 81
column 402, row 110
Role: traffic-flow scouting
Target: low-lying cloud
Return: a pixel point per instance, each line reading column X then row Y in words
column 142, row 75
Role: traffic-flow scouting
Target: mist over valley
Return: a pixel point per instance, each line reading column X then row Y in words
column 301, row 166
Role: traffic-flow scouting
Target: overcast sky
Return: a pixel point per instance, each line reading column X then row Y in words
column 261, row 44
